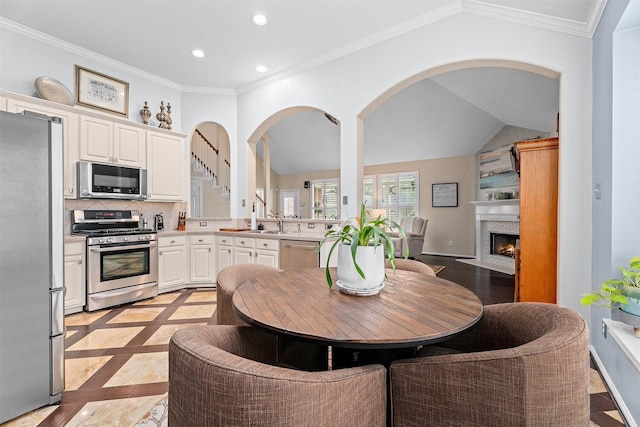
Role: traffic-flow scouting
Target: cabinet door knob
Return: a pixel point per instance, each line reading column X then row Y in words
column 200, row 240
column 209, row 249
column 80, row 261
column 173, row 241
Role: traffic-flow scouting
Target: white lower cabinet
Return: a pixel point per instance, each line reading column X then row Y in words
column 202, row 259
column 256, row 251
column 74, row 277
column 268, row 252
column 224, row 253
column 172, row 263
column 245, row 250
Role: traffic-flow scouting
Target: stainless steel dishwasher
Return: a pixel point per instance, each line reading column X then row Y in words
column 298, row 254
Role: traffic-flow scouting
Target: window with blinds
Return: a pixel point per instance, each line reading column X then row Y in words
column 369, row 191
column 325, row 194
column 398, row 194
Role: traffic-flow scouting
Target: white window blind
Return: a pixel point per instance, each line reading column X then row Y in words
column 325, row 194
column 398, row 194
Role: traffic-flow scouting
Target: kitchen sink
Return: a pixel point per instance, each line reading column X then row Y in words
column 268, row 232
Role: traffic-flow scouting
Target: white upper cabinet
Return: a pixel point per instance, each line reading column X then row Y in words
column 165, row 167
column 104, row 141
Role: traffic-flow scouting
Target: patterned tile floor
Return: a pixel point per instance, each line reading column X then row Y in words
column 116, row 363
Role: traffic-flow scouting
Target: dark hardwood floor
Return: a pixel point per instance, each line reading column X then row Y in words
column 492, row 287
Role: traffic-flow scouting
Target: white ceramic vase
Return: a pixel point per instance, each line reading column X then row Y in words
column 370, row 259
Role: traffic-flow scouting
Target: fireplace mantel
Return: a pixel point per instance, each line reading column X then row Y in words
column 498, row 210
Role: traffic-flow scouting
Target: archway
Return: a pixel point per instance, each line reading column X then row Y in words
column 290, row 149
column 210, row 172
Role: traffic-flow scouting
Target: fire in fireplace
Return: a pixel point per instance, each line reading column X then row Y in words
column 503, row 244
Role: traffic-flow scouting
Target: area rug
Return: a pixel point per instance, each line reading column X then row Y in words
column 157, row 416
column 436, row 268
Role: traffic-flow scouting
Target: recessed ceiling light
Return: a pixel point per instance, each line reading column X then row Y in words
column 261, row 69
column 259, row 19
column 197, row 53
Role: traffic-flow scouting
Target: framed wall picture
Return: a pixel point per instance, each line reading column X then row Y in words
column 444, row 195
column 99, row 91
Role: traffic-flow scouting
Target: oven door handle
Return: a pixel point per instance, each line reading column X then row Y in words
column 119, row 247
column 123, row 292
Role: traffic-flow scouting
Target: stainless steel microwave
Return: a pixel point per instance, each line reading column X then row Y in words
column 102, row 181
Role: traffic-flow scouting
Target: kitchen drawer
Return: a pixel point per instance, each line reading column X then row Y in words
column 201, row 239
column 224, row 240
column 271, row 244
column 74, row 248
column 172, row 241
column 244, row 242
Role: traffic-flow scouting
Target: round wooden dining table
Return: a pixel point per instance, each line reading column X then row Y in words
column 412, row 309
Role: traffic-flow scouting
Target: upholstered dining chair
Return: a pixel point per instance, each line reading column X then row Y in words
column 223, row 375
column 410, row 265
column 522, row 364
column 414, row 228
column 299, row 354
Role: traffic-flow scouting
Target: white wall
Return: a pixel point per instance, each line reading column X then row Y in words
column 26, row 55
column 348, row 85
column 616, row 236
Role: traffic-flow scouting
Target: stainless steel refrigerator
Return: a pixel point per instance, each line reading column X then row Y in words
column 31, row 263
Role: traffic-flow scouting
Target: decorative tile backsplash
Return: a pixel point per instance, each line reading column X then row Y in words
column 169, row 211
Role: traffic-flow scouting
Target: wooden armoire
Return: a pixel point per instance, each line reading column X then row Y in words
column 536, row 259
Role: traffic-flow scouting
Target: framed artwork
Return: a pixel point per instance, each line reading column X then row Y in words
column 444, row 195
column 497, row 169
column 99, row 91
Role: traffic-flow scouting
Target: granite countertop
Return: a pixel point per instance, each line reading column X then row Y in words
column 289, row 235
column 307, row 236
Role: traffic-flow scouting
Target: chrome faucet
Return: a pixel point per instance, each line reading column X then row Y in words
column 279, row 220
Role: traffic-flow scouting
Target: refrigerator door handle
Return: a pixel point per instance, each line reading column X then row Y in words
column 57, row 369
column 57, row 312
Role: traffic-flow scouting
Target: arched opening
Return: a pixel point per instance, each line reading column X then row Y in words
column 436, row 122
column 289, row 156
column 210, row 172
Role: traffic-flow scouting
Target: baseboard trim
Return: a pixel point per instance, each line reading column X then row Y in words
column 449, row 255
column 624, row 410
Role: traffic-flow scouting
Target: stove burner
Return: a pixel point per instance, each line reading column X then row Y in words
column 115, row 232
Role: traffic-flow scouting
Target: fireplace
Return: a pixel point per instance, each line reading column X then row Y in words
column 503, row 244
column 497, row 232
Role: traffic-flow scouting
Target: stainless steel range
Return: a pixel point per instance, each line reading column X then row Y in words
column 122, row 257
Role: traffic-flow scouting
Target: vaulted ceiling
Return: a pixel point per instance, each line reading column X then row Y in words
column 155, row 38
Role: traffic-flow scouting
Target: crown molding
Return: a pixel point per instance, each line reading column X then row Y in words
column 85, row 53
column 445, row 11
column 583, row 29
column 480, row 7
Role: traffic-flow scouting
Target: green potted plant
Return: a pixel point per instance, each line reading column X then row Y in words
column 623, row 293
column 362, row 242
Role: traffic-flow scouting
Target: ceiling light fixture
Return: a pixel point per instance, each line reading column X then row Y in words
column 259, row 19
column 197, row 53
column 261, row 69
